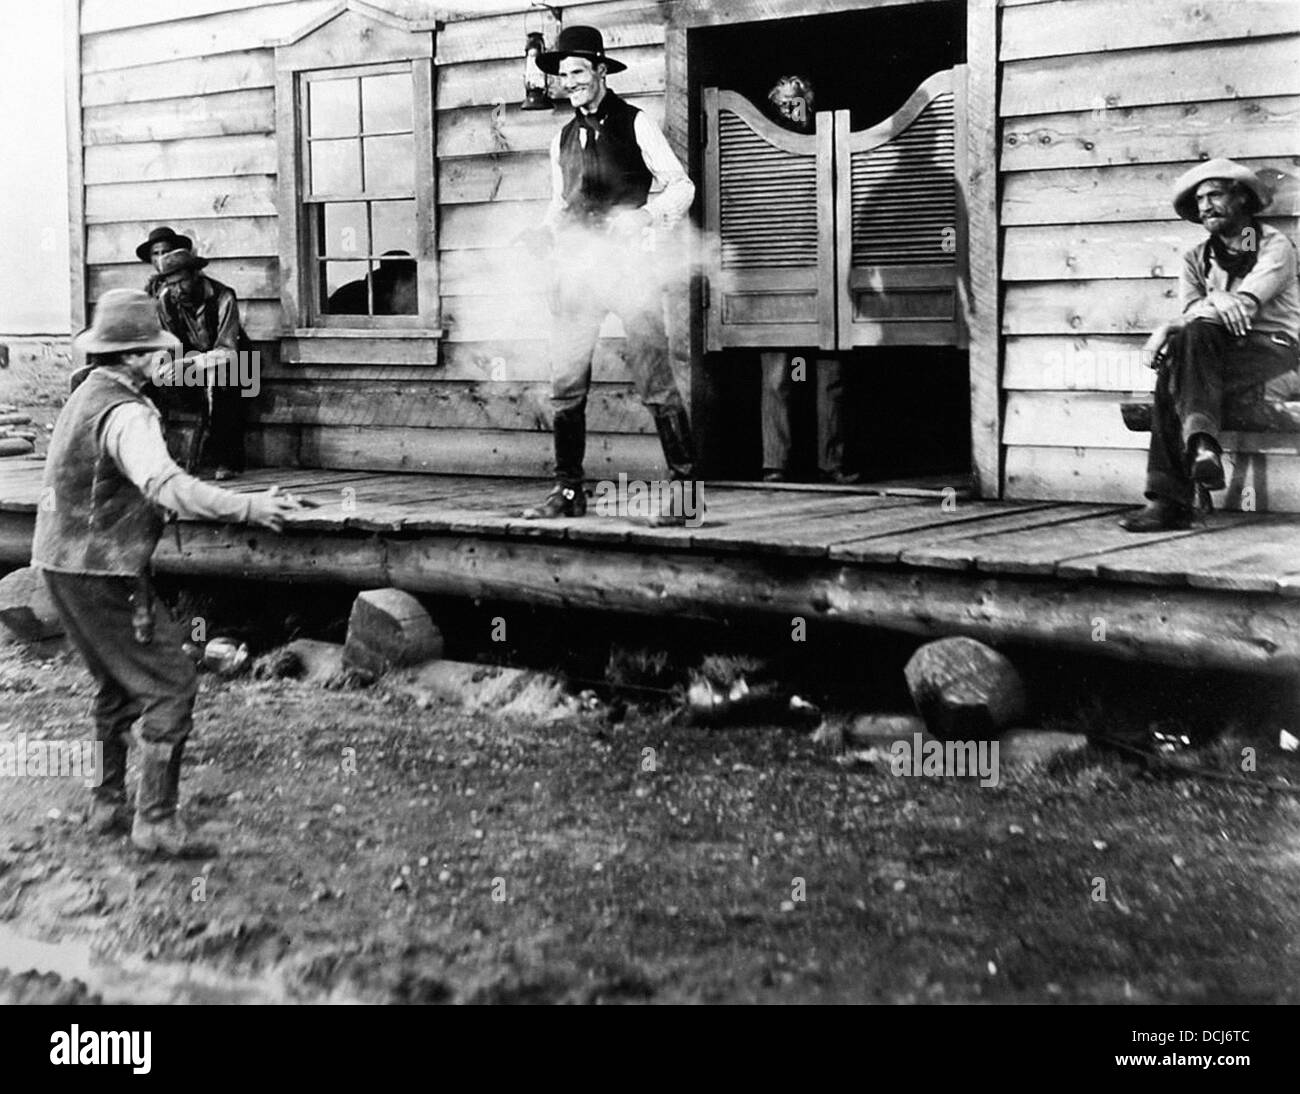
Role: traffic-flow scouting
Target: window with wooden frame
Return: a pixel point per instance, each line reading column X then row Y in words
column 357, row 187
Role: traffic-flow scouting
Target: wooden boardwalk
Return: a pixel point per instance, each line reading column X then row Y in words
column 1224, row 594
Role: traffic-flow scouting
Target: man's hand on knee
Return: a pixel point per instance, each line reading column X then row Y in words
column 1236, row 312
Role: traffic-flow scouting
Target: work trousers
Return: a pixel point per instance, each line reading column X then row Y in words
column 1205, row 365
column 777, row 386
column 154, row 683
column 594, row 276
column 221, row 414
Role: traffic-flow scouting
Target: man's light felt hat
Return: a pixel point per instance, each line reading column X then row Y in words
column 125, row 320
column 181, row 259
column 1186, row 184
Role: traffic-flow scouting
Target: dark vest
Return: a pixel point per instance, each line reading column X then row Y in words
column 91, row 518
column 609, row 172
column 172, row 320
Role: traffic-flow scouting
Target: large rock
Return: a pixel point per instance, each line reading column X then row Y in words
column 389, row 628
column 964, row 690
column 25, row 607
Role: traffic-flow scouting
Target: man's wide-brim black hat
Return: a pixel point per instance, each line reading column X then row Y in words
column 163, row 235
column 578, row 42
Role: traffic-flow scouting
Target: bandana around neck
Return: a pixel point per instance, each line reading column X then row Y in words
column 1236, row 264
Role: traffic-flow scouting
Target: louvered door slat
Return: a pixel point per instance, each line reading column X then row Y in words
column 898, row 221
column 768, row 203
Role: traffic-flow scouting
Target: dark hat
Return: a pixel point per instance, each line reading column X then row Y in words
column 180, row 259
column 163, row 235
column 578, row 42
column 125, row 320
column 1186, row 183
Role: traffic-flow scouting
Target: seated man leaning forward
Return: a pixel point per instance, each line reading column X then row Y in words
column 108, row 479
column 1238, row 330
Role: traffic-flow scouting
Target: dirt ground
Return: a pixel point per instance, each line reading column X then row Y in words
column 481, row 860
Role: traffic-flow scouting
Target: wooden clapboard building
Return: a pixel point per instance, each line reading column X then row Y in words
column 980, row 223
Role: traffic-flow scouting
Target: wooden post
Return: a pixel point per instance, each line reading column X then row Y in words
column 980, row 192
column 76, row 171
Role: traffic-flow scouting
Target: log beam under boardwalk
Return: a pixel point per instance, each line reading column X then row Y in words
column 1182, row 626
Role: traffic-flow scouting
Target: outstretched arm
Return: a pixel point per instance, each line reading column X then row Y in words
column 133, row 438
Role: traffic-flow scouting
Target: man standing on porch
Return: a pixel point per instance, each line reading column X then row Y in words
column 791, row 104
column 601, row 220
column 1238, row 330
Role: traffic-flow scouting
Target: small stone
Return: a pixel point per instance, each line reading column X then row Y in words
column 1031, row 747
column 787, row 905
column 424, row 860
column 55, row 814
column 993, row 969
column 1015, row 830
column 1100, row 844
column 900, row 885
column 444, row 876
column 338, row 809
column 398, row 883
column 1179, row 861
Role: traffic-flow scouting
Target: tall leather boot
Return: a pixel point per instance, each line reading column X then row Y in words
column 157, row 828
column 566, row 498
column 108, row 812
column 679, row 453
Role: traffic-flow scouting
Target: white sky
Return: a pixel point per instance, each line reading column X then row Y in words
column 33, row 170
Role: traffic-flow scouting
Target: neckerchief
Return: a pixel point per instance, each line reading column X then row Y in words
column 1236, row 264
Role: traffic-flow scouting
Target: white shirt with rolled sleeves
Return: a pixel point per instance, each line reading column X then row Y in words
column 132, row 437
column 671, row 193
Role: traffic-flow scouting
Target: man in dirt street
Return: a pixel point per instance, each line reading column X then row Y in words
column 108, row 479
column 604, row 163
column 204, row 315
column 1237, row 332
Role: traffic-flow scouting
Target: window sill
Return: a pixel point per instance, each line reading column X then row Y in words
column 367, row 332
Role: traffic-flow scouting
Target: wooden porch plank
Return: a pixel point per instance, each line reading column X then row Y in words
column 1243, row 554
column 953, row 547
column 288, row 478
column 1096, row 548
column 739, row 510
column 1040, row 550
column 805, row 536
column 920, row 521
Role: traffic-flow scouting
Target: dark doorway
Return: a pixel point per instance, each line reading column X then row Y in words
column 906, row 410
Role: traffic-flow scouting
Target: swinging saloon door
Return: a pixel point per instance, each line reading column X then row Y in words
column 836, row 239
column 769, row 211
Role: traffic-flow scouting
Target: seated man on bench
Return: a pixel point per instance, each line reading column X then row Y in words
column 1238, row 330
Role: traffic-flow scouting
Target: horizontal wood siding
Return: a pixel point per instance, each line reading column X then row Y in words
column 1103, row 104
column 179, row 127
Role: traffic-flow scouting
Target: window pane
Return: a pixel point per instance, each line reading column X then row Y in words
column 395, row 283
column 343, row 288
column 390, row 163
column 333, row 108
column 386, row 102
column 344, row 233
column 335, row 167
column 393, row 223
